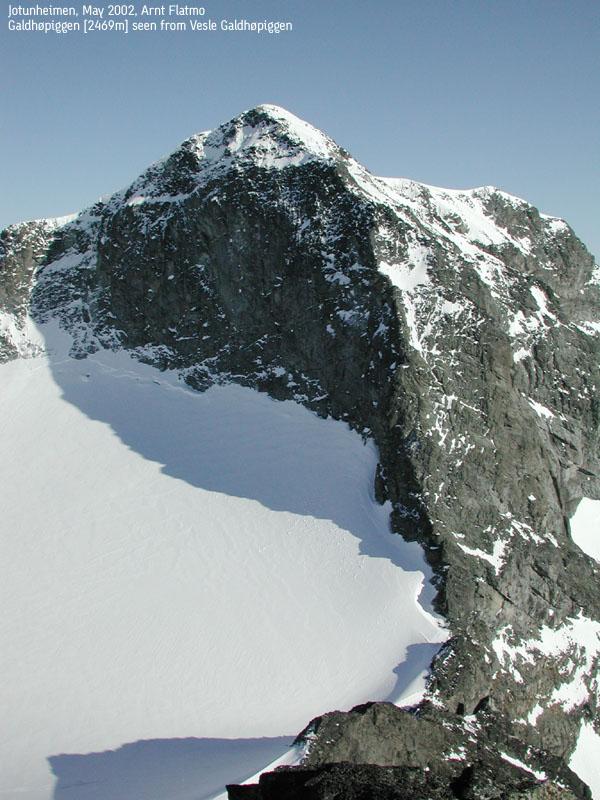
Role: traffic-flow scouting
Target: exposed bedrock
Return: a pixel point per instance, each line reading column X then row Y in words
column 458, row 329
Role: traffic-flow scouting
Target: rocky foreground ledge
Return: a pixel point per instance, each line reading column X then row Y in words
column 348, row 781
column 345, row 753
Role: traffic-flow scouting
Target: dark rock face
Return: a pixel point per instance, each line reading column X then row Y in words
column 346, row 781
column 458, row 329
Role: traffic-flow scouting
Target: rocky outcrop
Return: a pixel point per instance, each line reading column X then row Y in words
column 457, row 329
column 489, row 780
column 22, row 248
column 380, row 751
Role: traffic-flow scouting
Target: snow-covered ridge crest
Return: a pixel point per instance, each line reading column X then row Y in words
column 465, row 213
column 49, row 224
column 270, row 137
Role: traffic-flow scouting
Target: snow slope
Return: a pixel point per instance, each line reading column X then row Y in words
column 584, row 760
column 188, row 574
column 585, row 527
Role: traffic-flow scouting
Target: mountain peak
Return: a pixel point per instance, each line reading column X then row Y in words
column 266, row 136
column 271, row 136
column 276, row 113
column 313, row 139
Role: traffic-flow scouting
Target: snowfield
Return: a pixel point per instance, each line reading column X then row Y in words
column 585, row 527
column 189, row 578
column 584, row 760
column 585, row 530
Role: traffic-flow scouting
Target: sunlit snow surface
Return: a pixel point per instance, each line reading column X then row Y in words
column 210, row 566
column 585, row 527
column 584, row 760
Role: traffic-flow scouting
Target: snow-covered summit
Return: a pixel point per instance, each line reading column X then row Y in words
column 270, row 135
column 283, row 126
column 266, row 136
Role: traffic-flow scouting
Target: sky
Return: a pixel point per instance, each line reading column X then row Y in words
column 454, row 93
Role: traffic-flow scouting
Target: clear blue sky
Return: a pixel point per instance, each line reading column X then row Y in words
column 456, row 93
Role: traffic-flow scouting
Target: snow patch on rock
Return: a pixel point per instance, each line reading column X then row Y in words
column 584, row 761
column 585, row 527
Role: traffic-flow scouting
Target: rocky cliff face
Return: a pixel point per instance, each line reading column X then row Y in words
column 456, row 328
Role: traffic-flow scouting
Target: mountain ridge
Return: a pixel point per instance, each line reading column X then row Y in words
column 316, row 145
column 456, row 328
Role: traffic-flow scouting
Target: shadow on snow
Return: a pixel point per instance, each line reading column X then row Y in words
column 178, row 769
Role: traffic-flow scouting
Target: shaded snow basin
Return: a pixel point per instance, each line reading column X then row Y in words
column 189, row 579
